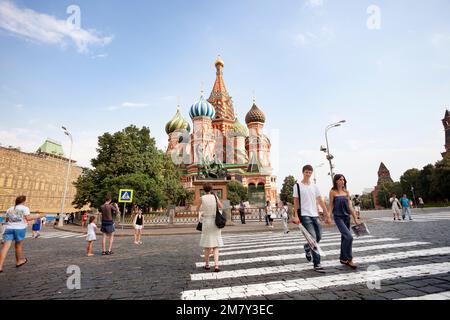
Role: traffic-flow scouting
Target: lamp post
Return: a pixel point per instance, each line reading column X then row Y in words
column 61, row 215
column 327, row 149
column 318, row 166
column 414, row 196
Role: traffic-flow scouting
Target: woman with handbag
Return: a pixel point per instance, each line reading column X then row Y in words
column 211, row 238
column 341, row 206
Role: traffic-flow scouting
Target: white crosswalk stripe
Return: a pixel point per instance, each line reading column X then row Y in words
column 435, row 296
column 296, row 247
column 424, row 217
column 264, row 257
column 314, row 283
column 57, row 234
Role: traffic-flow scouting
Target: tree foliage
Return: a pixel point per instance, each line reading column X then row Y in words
column 130, row 159
column 431, row 183
column 286, row 193
column 236, row 192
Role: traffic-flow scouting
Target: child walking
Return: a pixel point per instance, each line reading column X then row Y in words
column 91, row 237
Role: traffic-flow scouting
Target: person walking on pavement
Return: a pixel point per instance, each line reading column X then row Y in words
column 36, row 227
column 284, row 216
column 17, row 218
column 306, row 195
column 91, row 236
column 270, row 214
column 108, row 210
column 242, row 211
column 396, row 207
column 341, row 207
column 84, row 219
column 421, row 203
column 406, row 209
column 211, row 238
column 138, row 223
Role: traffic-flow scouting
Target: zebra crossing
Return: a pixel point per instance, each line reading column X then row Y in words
column 271, row 263
column 421, row 217
column 57, row 234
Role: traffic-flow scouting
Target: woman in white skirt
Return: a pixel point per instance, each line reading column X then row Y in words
column 211, row 238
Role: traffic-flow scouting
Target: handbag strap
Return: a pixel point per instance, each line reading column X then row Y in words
column 299, row 210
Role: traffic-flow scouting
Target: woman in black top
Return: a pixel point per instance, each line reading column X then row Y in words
column 138, row 226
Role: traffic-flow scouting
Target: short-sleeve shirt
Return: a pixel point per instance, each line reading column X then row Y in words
column 107, row 210
column 308, row 196
column 16, row 217
column 405, row 202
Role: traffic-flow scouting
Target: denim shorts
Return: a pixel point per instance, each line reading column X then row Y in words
column 14, row 234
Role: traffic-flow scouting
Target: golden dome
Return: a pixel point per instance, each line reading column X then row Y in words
column 219, row 61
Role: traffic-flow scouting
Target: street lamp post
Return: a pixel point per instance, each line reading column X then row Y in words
column 61, row 215
column 318, row 166
column 327, row 149
column 414, row 196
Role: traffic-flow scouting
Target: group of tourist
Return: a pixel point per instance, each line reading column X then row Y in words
column 404, row 204
column 307, row 197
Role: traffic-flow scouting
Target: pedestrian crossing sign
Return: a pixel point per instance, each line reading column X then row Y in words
column 126, row 195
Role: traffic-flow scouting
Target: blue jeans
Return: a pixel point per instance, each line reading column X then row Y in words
column 312, row 224
column 343, row 224
column 406, row 211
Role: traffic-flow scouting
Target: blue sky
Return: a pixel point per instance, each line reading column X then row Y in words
column 310, row 63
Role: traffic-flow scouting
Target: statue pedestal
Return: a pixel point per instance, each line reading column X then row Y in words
column 226, row 210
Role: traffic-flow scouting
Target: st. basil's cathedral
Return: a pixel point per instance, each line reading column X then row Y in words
column 218, row 140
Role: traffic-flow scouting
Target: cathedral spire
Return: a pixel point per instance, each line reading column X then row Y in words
column 219, row 97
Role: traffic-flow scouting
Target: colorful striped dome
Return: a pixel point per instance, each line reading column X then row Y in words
column 255, row 115
column 238, row 129
column 202, row 108
column 177, row 123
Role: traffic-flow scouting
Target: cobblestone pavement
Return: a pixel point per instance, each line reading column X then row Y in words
column 400, row 260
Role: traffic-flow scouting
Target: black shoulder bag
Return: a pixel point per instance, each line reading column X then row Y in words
column 220, row 219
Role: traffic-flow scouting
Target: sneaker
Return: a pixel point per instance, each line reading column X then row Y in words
column 136, row 242
column 308, row 255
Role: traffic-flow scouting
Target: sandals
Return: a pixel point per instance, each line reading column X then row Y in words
column 19, row 265
column 216, row 269
column 207, row 267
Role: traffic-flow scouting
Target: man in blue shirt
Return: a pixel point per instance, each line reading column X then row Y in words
column 405, row 204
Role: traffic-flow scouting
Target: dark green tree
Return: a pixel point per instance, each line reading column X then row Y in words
column 286, row 193
column 130, row 159
column 236, row 192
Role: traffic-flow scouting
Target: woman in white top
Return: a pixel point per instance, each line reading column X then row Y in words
column 17, row 218
column 211, row 238
column 284, row 216
column 396, row 207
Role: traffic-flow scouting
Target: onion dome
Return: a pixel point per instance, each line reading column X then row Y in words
column 255, row 115
column 219, row 61
column 238, row 129
column 177, row 123
column 202, row 108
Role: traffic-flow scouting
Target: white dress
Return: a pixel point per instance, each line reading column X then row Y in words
column 211, row 235
column 91, row 232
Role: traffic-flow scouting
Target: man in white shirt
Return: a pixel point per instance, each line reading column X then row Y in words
column 307, row 213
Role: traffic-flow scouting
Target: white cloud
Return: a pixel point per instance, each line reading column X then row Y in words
column 99, row 56
column 168, row 98
column 127, row 105
column 321, row 38
column 440, row 39
column 314, row 3
column 18, row 107
column 44, row 28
